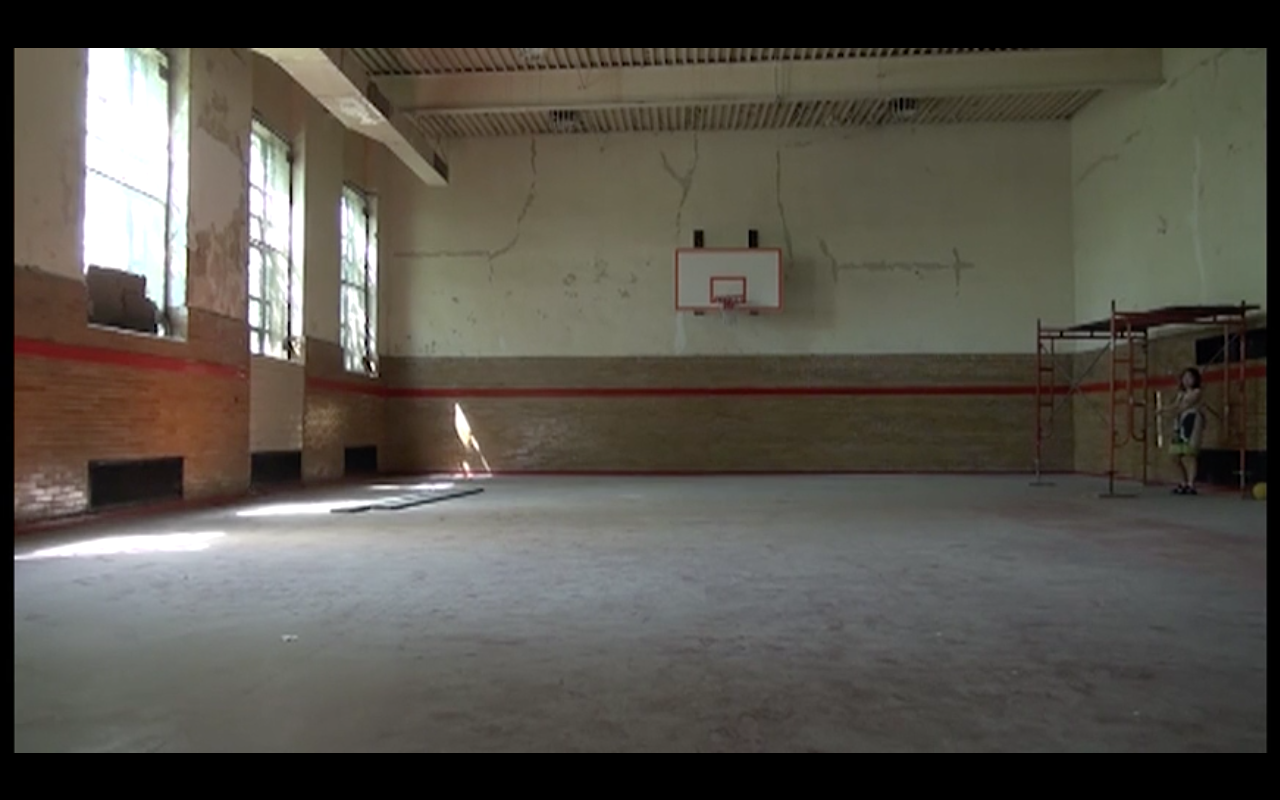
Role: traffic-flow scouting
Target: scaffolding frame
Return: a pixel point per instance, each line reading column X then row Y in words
column 1126, row 338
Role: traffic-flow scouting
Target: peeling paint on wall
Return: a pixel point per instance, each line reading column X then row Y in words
column 221, row 92
column 218, row 239
column 222, row 107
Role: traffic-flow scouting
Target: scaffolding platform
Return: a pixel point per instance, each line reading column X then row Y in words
column 1126, row 337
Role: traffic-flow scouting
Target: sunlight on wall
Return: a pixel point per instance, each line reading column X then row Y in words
column 462, row 426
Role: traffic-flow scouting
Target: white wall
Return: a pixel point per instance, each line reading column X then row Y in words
column 1170, row 187
column 565, row 245
column 48, row 158
column 277, row 392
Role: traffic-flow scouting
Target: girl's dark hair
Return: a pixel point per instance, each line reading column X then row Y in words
column 1195, row 376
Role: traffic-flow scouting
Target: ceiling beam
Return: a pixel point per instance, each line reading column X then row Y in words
column 337, row 79
column 853, row 78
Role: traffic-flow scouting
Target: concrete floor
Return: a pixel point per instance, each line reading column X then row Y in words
column 711, row 614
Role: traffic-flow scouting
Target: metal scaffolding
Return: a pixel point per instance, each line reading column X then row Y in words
column 1127, row 337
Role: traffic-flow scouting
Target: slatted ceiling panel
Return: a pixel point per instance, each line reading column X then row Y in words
column 765, row 116
column 445, row 60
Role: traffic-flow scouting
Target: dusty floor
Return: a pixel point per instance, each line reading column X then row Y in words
column 783, row 614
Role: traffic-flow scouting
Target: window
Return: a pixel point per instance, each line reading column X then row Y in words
column 273, row 295
column 127, row 158
column 1210, row 350
column 359, row 282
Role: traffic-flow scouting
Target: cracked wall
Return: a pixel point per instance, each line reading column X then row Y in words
column 1169, row 187
column 899, row 240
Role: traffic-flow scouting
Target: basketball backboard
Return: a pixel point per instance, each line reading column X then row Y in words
column 749, row 279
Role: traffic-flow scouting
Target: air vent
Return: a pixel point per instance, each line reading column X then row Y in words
column 564, row 120
column 275, row 468
column 1211, row 350
column 123, row 483
column 904, row 108
column 360, row 461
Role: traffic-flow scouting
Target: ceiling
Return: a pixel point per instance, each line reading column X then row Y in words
column 756, row 116
column 447, row 60
column 476, row 92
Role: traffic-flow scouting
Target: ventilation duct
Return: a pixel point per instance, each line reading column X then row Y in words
column 341, row 84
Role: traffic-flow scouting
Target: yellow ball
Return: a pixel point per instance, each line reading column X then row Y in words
column 1259, row 491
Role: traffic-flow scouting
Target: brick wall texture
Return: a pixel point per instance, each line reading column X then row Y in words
column 719, row 414
column 83, row 393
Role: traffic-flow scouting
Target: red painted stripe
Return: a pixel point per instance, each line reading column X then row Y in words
column 706, row 391
column 35, row 348
column 122, row 358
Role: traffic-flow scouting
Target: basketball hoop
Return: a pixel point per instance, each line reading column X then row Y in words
column 728, row 307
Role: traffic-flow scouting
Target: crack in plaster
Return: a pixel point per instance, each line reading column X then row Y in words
column 957, row 265
column 490, row 255
column 530, row 196
column 1197, row 193
column 685, row 181
column 1095, row 165
column 1213, row 61
column 782, row 208
column 1109, row 158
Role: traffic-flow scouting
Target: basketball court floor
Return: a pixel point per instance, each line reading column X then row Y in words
column 688, row 614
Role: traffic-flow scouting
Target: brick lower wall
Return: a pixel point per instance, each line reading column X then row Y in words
column 83, row 393
column 702, row 414
column 342, row 410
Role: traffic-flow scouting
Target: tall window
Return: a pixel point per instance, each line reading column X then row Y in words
column 273, row 295
column 127, row 156
column 359, row 282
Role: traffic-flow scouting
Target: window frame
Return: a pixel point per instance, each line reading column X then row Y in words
column 166, row 68
column 259, row 128
column 368, row 357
